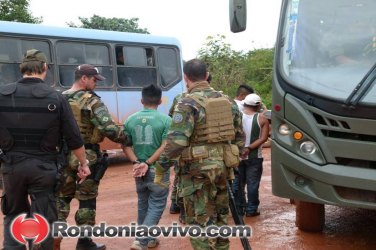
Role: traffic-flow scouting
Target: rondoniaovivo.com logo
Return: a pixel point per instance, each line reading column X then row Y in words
column 35, row 229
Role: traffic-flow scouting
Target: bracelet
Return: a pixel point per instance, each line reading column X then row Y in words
column 136, row 162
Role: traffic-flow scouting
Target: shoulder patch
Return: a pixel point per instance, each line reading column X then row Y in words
column 8, row 89
column 177, row 118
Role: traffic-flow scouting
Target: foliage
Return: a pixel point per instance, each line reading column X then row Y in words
column 17, row 11
column 114, row 24
column 225, row 64
column 230, row 68
column 259, row 74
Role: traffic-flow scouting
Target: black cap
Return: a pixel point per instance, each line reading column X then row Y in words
column 89, row 70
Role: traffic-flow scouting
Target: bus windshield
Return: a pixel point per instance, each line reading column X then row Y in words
column 328, row 47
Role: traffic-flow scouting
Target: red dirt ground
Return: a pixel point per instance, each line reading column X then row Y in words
column 273, row 229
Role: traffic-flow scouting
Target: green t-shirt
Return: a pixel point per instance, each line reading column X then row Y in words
column 146, row 130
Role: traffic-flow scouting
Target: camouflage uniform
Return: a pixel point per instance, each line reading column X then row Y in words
column 174, row 193
column 203, row 182
column 95, row 123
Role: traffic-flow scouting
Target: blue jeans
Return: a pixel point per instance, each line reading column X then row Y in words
column 152, row 200
column 249, row 175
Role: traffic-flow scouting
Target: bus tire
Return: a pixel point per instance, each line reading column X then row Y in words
column 310, row 216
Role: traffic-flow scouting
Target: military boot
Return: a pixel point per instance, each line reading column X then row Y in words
column 57, row 242
column 174, row 209
column 89, row 244
column 182, row 216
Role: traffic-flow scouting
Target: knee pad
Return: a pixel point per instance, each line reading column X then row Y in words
column 91, row 203
column 85, row 215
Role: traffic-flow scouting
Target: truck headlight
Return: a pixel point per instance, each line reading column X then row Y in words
column 284, row 129
column 308, row 147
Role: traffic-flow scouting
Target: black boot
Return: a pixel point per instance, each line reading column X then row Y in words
column 89, row 244
column 182, row 216
column 174, row 209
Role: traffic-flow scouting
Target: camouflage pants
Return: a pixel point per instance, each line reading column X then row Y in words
column 175, row 184
column 205, row 196
column 86, row 193
column 174, row 193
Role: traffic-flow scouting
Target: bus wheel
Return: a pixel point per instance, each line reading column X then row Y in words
column 310, row 216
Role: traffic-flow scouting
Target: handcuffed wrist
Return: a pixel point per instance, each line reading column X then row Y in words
column 85, row 163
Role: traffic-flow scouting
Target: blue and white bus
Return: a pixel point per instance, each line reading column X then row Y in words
column 129, row 61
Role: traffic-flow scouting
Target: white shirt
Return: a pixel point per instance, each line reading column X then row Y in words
column 240, row 105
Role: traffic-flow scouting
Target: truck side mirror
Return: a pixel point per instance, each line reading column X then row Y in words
column 238, row 15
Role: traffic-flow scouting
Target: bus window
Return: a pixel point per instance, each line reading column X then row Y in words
column 72, row 54
column 96, row 55
column 9, row 72
column 135, row 56
column 168, row 66
column 119, row 56
column 136, row 77
column 135, row 66
column 11, row 54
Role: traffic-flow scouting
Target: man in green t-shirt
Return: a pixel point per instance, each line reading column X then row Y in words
column 147, row 132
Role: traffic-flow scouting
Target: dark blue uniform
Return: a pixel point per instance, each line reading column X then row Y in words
column 33, row 120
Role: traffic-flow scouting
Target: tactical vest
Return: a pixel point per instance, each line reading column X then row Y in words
column 219, row 124
column 29, row 118
column 81, row 103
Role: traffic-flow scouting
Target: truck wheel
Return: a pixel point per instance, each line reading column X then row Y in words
column 310, row 216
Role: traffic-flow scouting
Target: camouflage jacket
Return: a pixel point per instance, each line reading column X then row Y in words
column 99, row 115
column 187, row 113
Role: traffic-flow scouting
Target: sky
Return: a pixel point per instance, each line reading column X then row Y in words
column 190, row 21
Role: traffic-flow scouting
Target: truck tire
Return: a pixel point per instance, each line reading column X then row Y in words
column 310, row 216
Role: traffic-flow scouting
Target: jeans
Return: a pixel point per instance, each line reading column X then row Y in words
column 249, row 173
column 152, row 200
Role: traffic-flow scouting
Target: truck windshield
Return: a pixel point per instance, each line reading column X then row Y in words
column 328, row 47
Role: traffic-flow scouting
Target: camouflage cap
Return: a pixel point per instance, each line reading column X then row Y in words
column 34, row 55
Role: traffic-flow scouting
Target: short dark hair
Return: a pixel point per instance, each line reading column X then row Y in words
column 195, row 70
column 151, row 95
column 244, row 89
column 34, row 67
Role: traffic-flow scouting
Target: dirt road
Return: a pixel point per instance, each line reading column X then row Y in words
column 273, row 229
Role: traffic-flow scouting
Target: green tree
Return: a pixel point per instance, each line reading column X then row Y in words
column 114, row 24
column 259, row 73
column 230, row 68
column 17, row 11
column 225, row 64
